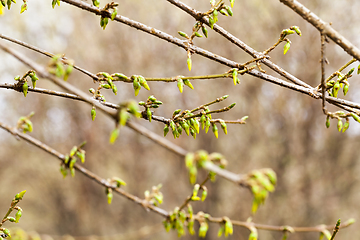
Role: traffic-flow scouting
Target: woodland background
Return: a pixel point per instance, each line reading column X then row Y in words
column 317, row 168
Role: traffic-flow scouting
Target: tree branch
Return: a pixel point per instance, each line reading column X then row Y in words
column 323, row 27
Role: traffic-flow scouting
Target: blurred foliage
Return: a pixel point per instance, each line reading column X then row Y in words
column 317, row 168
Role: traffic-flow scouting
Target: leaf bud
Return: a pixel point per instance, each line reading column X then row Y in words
column 205, row 31
column 180, row 84
column 25, row 88
column 188, row 83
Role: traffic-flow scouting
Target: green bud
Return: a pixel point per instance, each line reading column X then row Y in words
column 121, row 76
column 123, row 117
column 25, row 88
column 189, row 63
column 188, row 83
column 73, row 151
column 327, row 121
column 114, row 89
column 18, row 215
column 119, row 182
column 345, row 89
column 296, row 29
column 207, row 125
column 183, row 34
column 215, row 14
column 152, row 98
column 93, row 113
column 358, row 70
column 330, row 83
column 211, row 22
column 11, row 219
column 191, row 227
column 234, row 75
column 286, row 47
column 346, row 125
column 23, row 7
column 72, row 163
column 339, row 125
column 202, row 121
column 114, row 135
column 143, row 82
column 96, row 3
column 190, row 211
column 109, row 196
column 195, row 124
column 185, row 126
column 192, row 174
column 113, row 14
column 81, row 155
column 215, row 130
column 136, row 85
column 197, row 34
column 336, row 89
column 34, row 78
column 6, row 231
column 229, row 11
column 228, row 227
column 204, row 195
column 166, row 130
column 355, row 117
column 72, row 172
column 224, row 12
column 350, row 72
column 167, row 225
column 148, row 114
column 253, row 235
column 223, row 126
column 203, row 229
column 232, row 3
column 205, row 31
column 180, row 84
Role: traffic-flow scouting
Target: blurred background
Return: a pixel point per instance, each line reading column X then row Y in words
column 318, row 168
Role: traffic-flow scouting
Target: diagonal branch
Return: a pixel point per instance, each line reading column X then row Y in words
column 323, row 27
column 103, row 182
column 198, row 16
column 236, row 178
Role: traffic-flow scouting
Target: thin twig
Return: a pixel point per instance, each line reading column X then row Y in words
column 199, row 17
column 323, row 87
column 81, row 169
column 103, row 182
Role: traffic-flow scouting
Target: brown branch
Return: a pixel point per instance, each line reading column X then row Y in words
column 198, row 16
column 323, row 27
column 36, row 49
column 323, row 86
column 81, row 169
column 143, row 203
column 113, row 113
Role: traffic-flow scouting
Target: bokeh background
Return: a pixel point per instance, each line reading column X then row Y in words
column 318, row 168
